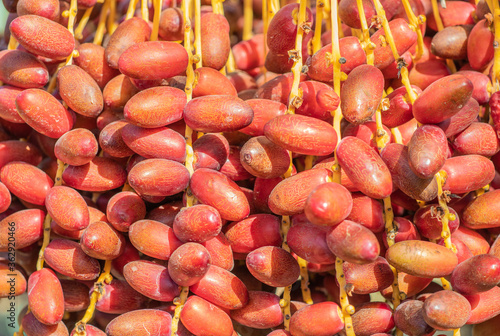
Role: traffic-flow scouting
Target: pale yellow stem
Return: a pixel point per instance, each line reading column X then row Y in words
column 156, row 19
column 347, row 309
column 98, row 292
column 83, row 22
column 101, row 26
column 316, row 41
column 248, row 19
column 295, row 98
column 179, row 304
column 132, row 5
column 144, row 10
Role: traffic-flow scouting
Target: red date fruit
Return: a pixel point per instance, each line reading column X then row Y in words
column 42, row 36
column 201, row 317
column 361, row 93
column 320, row 319
column 153, row 60
column 125, row 208
column 364, row 167
column 151, row 280
column 396, row 157
column 76, row 147
column 254, row 232
column 437, row 308
column 479, row 138
column 262, row 311
column 101, row 241
column 353, row 242
column 262, row 158
column 128, row 33
column 101, row 174
column 71, row 218
column 215, row 42
column 482, row 212
column 26, row 181
column 273, row 266
column 153, row 238
column 422, row 259
column 427, row 151
column 158, row 177
column 205, row 114
column 477, row 274
column 408, row 318
column 27, row 225
column 22, row 70
column 188, row 264
column 290, row 195
column 328, row 204
column 67, row 257
column 32, row 326
column 155, row 107
column 221, row 288
column 44, row 113
column 480, row 49
column 39, row 284
column 302, row 134
column 144, row 322
column 368, row 278
column 371, row 318
column 428, row 221
column 467, row 173
column 442, row 99
column 198, row 223
column 212, row 188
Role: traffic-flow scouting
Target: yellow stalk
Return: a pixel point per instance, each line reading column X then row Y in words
column 132, row 5
column 101, row 26
column 83, row 22
column 144, row 10
column 156, row 19
column 415, row 24
column 347, row 309
column 98, row 292
column 179, row 304
column 496, row 44
column 316, row 41
column 111, row 17
column 365, row 34
column 295, row 98
column 248, row 19
column 48, row 219
column 197, row 34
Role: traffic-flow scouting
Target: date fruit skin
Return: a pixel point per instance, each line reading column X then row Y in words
column 204, row 318
column 262, row 311
column 222, row 288
column 422, row 259
column 319, row 319
column 476, row 274
column 48, row 309
column 364, row 167
column 273, row 266
column 42, row 37
column 144, row 322
column 437, row 307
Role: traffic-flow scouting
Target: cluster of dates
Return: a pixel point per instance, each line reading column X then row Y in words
column 98, row 149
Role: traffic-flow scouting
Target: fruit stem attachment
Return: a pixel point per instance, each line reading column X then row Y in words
column 48, row 219
column 446, row 215
column 390, row 40
column 347, row 309
column 415, row 24
column 83, row 22
column 111, row 17
column 295, row 98
column 156, row 19
column 440, row 26
column 197, row 34
column 73, row 10
column 285, row 302
column 97, row 293
column 368, row 46
column 179, row 304
column 247, row 19
column 304, row 281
